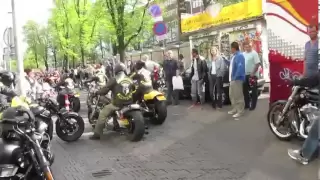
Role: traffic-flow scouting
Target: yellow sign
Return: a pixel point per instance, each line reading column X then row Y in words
column 218, row 15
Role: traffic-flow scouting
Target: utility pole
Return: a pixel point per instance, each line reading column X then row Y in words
column 19, row 55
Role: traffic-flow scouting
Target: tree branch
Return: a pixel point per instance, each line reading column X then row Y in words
column 141, row 25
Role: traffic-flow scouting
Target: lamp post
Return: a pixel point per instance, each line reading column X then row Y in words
column 19, row 55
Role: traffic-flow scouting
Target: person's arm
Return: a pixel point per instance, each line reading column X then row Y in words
column 239, row 60
column 256, row 61
column 304, row 62
column 8, row 91
column 110, row 84
column 310, row 81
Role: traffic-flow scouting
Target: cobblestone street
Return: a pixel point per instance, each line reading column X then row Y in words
column 198, row 144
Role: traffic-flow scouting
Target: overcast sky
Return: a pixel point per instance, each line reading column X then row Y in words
column 37, row 10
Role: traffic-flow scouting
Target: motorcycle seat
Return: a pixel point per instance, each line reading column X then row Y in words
column 36, row 110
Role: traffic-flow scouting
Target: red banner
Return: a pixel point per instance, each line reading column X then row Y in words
column 282, row 69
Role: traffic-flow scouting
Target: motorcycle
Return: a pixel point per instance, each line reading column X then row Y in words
column 69, row 125
column 294, row 116
column 128, row 120
column 68, row 98
column 23, row 154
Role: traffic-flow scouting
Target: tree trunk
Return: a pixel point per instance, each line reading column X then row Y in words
column 121, row 47
column 101, row 48
column 55, row 57
column 82, row 55
column 36, row 56
column 45, row 59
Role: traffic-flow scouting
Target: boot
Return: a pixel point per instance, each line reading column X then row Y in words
column 95, row 137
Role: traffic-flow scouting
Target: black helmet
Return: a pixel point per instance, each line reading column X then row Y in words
column 140, row 64
column 7, row 78
column 119, row 67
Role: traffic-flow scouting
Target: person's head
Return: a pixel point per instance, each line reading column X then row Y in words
column 214, row 51
column 181, row 57
column 247, row 45
column 139, row 64
column 29, row 72
column 234, row 47
column 195, row 53
column 313, row 32
column 145, row 57
column 119, row 67
column 7, row 78
column 170, row 54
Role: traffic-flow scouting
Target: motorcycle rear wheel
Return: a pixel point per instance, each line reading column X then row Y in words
column 161, row 113
column 136, row 127
column 277, row 107
column 76, row 104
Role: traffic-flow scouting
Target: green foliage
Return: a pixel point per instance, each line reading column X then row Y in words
column 77, row 29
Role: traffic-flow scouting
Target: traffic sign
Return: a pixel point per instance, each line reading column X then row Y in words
column 155, row 10
column 159, row 28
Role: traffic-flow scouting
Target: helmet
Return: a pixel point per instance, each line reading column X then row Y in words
column 140, row 64
column 119, row 67
column 7, row 78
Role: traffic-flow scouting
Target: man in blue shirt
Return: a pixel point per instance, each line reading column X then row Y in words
column 237, row 77
column 311, row 52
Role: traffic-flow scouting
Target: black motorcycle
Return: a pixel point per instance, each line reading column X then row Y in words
column 24, row 148
column 128, row 120
column 69, row 125
column 289, row 118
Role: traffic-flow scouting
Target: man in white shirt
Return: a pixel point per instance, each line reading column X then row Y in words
column 252, row 63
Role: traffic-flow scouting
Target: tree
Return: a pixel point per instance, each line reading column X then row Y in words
column 30, row 31
column 127, row 20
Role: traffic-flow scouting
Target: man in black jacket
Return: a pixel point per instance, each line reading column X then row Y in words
column 198, row 73
column 310, row 145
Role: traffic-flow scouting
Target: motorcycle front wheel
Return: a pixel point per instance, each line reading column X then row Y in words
column 70, row 128
column 274, row 113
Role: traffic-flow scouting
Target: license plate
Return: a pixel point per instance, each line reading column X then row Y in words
column 161, row 98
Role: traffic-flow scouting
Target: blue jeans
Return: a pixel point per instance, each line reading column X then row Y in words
column 311, row 144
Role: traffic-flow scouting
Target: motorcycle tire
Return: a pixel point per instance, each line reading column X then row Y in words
column 137, row 126
column 76, row 135
column 274, row 107
column 161, row 112
column 76, row 105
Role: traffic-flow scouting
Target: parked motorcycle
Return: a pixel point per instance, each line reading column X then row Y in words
column 23, row 154
column 68, row 98
column 128, row 120
column 293, row 117
column 69, row 125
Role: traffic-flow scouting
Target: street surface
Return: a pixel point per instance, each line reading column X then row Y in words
column 193, row 144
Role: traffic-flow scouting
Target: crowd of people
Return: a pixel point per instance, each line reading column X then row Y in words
column 241, row 70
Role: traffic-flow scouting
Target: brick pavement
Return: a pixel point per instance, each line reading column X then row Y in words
column 192, row 144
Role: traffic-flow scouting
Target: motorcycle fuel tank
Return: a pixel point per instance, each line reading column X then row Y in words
column 9, row 151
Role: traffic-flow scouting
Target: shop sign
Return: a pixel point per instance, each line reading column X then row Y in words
column 219, row 15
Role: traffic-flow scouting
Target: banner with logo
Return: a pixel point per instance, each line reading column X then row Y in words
column 217, row 14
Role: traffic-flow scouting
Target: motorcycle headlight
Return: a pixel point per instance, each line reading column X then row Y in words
column 8, row 170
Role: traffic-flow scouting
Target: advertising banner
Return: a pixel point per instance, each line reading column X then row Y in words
column 218, row 14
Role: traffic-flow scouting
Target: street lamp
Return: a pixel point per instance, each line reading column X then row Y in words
column 19, row 55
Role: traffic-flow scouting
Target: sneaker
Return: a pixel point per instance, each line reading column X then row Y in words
column 296, row 155
column 237, row 115
column 233, row 111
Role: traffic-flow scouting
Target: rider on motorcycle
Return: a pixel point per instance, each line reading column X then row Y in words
column 98, row 77
column 310, row 145
column 143, row 78
column 122, row 89
column 7, row 80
